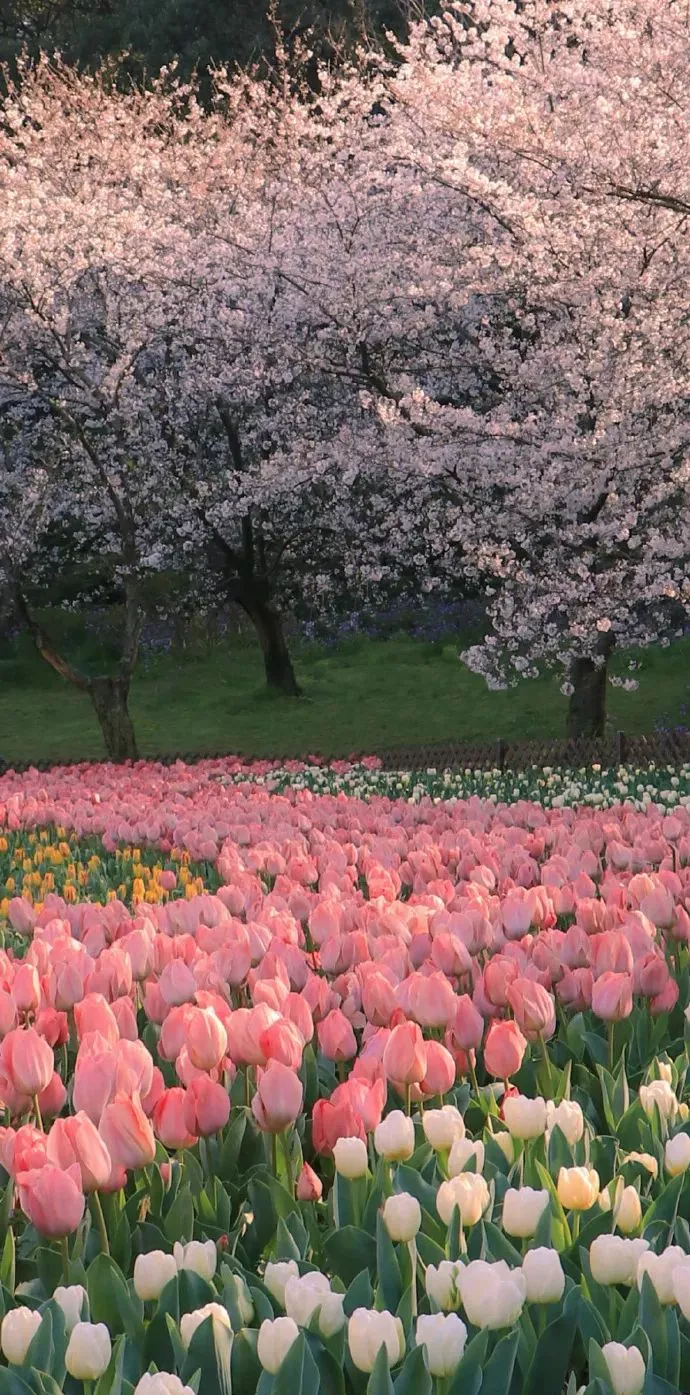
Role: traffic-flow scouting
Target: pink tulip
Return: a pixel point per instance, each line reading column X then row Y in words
column 432, row 1000
column 51, row 1101
column 22, row 1149
column 94, row 1014
column 612, row 997
column 52, row 1199
column 206, row 1039
column 283, row 1041
column 27, row 1061
column 309, row 1186
column 170, row 1119
column 207, row 1107
column 504, row 1049
column 337, row 1041
column 278, row 1098
column 77, row 1140
column 127, row 1133
column 405, row 1056
column 440, row 1070
column 467, row 1028
column 26, row 988
column 534, row 1009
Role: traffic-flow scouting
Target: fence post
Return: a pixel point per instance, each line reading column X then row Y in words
column 500, row 753
column 621, row 747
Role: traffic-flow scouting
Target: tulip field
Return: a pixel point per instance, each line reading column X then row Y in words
column 331, row 1081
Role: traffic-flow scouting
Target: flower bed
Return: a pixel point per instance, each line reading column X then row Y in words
column 311, row 1093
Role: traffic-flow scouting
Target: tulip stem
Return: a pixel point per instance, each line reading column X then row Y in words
column 408, row 1099
column 247, row 1087
column 412, row 1247
column 612, row 1033
column 285, row 1140
column 274, row 1153
column 37, row 1110
column 97, row 1213
column 65, row 1259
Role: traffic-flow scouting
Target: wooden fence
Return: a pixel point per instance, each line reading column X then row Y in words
column 659, row 748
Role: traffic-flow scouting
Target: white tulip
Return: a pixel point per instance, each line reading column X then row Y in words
column 71, row 1300
column 462, row 1150
column 276, row 1276
column 350, row 1157
column 152, row 1272
column 276, row 1337
column 660, row 1270
column 443, row 1126
column 440, row 1284
column 190, row 1321
column 659, row 1093
column 680, row 1280
column 492, row 1295
column 402, row 1216
column 568, row 1117
column 368, row 1331
column 626, row 1368
column 614, row 1260
column 677, row 1154
column 201, row 1256
column 161, row 1383
column 469, row 1192
column 506, row 1145
column 88, row 1351
column 19, row 1327
column 544, row 1276
column 525, row 1118
column 523, row 1208
column 627, row 1210
column 665, row 1070
column 444, row 1336
column 394, row 1137
column 310, row 1294
column 242, row 1297
column 578, row 1188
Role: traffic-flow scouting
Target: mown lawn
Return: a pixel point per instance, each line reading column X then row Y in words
column 361, row 697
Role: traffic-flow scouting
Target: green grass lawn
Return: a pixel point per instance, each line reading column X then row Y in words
column 364, row 696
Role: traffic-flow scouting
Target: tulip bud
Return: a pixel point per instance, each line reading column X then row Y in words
column 658, row 1093
column 523, row 1209
column 441, row 1284
column 659, row 1268
column 161, row 1383
column 578, row 1188
column 680, row 1282
column 309, row 1185
column 71, row 1300
column 444, row 1337
column 469, row 1192
column 506, row 1145
column 677, row 1154
column 626, row 1368
column 189, row 1322
column 276, row 1276
column 568, row 1117
column 526, row 1118
column 402, row 1215
column 152, row 1272
column 627, row 1210
column 350, row 1157
column 242, row 1297
column 394, row 1137
column 275, row 1340
column 201, row 1256
column 19, row 1327
column 89, row 1351
column 310, row 1294
column 368, row 1331
column 544, row 1276
column 614, row 1260
column 463, row 1149
column 492, row 1294
column 443, row 1126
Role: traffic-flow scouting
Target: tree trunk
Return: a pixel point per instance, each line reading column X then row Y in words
column 280, row 675
column 587, row 707
column 109, row 697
